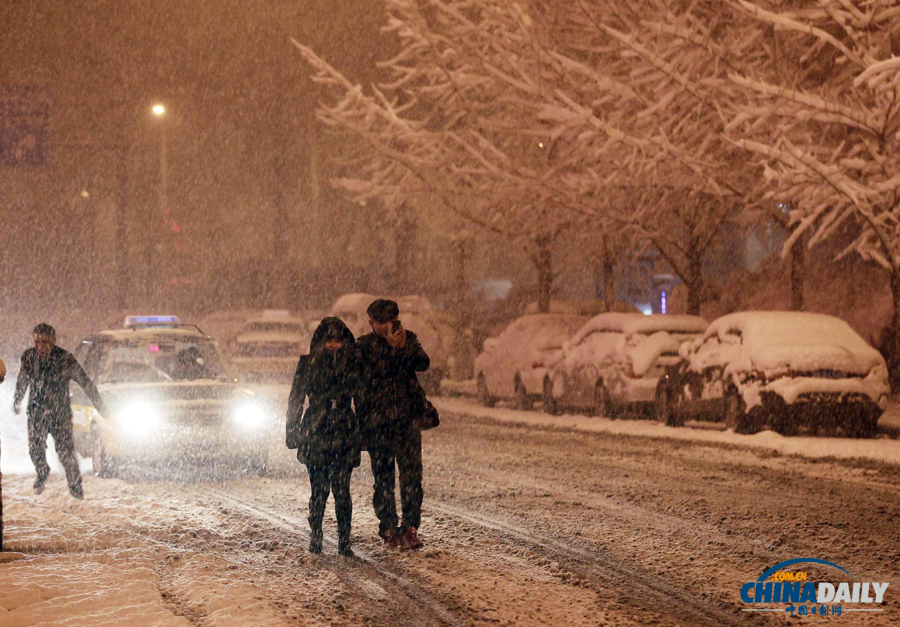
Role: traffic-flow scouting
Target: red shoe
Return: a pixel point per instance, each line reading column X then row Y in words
column 410, row 541
column 390, row 540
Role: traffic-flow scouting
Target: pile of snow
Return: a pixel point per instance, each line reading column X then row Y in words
column 544, row 330
column 798, row 341
column 632, row 339
column 644, row 353
column 631, row 324
column 880, row 449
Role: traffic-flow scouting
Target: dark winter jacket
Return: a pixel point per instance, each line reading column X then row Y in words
column 49, row 380
column 388, row 390
column 328, row 432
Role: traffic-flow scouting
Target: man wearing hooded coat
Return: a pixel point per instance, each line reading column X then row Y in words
column 326, row 436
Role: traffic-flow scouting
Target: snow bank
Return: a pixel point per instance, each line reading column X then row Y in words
column 203, row 582
column 115, row 588
column 879, row 449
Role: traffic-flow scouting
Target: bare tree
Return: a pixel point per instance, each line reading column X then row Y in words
column 810, row 89
column 443, row 127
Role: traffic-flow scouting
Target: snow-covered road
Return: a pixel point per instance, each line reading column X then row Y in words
column 525, row 523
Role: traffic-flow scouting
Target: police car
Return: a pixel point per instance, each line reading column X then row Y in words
column 171, row 397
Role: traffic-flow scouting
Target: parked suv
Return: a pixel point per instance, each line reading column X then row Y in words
column 614, row 361
column 171, row 397
column 781, row 370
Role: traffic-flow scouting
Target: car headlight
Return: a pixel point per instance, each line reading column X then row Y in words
column 250, row 415
column 140, row 418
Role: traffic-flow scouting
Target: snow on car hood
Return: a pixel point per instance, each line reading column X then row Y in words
column 802, row 342
column 645, row 353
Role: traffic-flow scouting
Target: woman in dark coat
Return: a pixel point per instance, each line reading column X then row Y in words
column 327, row 437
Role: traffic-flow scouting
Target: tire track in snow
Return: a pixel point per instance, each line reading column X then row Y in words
column 427, row 609
column 593, row 565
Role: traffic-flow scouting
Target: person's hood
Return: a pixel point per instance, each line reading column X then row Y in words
column 317, row 344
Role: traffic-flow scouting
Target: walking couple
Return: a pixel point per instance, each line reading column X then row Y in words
column 377, row 373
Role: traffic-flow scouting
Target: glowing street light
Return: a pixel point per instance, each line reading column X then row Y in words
column 159, row 111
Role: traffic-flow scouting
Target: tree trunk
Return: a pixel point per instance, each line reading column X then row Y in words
column 462, row 360
column 406, row 234
column 609, row 286
column 798, row 273
column 890, row 342
column 543, row 261
column 694, row 284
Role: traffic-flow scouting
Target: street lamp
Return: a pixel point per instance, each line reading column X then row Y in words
column 159, row 111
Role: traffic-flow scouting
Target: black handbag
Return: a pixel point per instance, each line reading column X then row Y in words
column 428, row 418
column 424, row 414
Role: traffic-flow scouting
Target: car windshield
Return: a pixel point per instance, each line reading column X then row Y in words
column 680, row 336
column 275, row 327
column 269, row 349
column 176, row 359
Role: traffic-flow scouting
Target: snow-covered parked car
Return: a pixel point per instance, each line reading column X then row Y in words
column 614, row 361
column 171, row 397
column 778, row 370
column 513, row 364
column 416, row 314
column 268, row 347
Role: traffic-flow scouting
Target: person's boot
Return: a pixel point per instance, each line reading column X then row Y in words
column 315, row 540
column 344, row 549
column 390, row 539
column 410, row 541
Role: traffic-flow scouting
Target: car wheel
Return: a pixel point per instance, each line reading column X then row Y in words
column 603, row 406
column 483, row 394
column 104, row 464
column 665, row 409
column 735, row 414
column 551, row 405
column 520, row 396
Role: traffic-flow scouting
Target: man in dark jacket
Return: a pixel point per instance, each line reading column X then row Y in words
column 48, row 369
column 389, row 358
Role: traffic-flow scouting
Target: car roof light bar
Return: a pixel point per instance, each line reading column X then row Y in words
column 132, row 322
